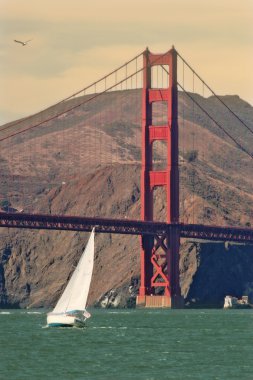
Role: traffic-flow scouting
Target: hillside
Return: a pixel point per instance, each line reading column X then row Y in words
column 87, row 162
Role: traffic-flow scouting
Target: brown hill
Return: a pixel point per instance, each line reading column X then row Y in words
column 87, row 162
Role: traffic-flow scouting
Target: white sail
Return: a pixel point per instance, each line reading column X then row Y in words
column 75, row 295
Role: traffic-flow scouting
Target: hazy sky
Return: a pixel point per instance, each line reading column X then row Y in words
column 78, row 41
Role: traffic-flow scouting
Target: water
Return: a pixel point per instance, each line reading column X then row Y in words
column 129, row 344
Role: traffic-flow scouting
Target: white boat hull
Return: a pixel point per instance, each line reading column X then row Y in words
column 235, row 303
column 64, row 320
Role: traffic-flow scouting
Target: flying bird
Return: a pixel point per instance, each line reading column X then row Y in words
column 22, row 43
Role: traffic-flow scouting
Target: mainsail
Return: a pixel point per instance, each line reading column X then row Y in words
column 75, row 295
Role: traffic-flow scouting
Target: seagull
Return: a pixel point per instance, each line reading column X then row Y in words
column 22, row 43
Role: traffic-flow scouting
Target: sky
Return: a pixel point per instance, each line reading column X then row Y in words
column 76, row 42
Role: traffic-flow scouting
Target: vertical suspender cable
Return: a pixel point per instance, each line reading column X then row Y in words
column 193, row 146
column 183, row 154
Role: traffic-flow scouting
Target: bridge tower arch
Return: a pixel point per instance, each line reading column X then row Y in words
column 160, row 254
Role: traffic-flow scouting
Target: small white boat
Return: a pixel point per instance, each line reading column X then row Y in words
column 70, row 310
column 235, row 303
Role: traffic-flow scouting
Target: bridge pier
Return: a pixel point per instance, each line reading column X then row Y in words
column 160, row 286
column 160, row 255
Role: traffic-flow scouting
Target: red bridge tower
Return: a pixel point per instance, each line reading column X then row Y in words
column 160, row 255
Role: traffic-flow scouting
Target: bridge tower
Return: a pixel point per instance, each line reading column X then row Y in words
column 160, row 254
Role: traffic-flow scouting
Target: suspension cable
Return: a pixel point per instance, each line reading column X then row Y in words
column 83, row 102
column 193, row 145
column 218, row 97
column 73, row 95
column 69, row 109
column 218, row 124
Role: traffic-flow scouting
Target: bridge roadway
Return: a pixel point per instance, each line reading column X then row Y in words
column 125, row 226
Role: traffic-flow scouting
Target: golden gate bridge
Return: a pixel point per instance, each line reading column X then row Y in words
column 152, row 84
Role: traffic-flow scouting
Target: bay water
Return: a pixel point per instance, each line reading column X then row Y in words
column 138, row 344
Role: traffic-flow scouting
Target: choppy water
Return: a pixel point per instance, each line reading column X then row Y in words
column 129, row 344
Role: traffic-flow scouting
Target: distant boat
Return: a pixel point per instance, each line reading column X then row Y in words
column 235, row 303
column 70, row 310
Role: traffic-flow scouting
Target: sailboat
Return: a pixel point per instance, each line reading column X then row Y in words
column 70, row 310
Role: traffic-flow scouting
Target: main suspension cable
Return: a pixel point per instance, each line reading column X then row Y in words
column 218, row 97
column 71, row 96
column 70, row 109
column 83, row 102
column 216, row 122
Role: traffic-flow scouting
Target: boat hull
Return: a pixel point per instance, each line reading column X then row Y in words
column 64, row 320
column 235, row 303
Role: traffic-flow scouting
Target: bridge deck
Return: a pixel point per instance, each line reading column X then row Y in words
column 124, row 226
